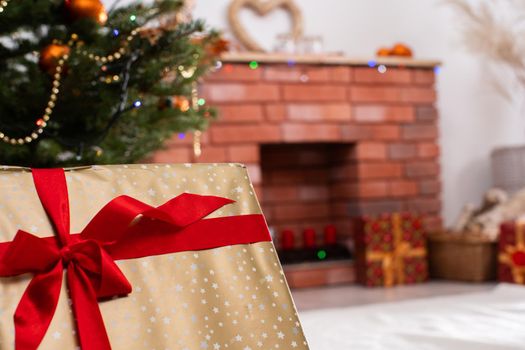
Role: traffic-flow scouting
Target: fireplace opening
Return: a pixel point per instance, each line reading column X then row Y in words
column 302, row 190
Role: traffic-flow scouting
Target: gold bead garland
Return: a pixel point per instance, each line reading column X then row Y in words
column 3, row 5
column 111, row 57
column 197, row 150
column 43, row 122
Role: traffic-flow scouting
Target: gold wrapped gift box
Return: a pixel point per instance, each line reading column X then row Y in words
column 233, row 297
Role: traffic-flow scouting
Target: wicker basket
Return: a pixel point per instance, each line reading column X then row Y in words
column 508, row 168
column 462, row 257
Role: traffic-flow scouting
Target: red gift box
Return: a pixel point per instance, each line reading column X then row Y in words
column 511, row 257
column 390, row 249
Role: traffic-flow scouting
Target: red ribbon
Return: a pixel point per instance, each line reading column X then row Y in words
column 124, row 229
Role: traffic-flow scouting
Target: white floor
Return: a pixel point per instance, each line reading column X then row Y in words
column 353, row 295
column 434, row 316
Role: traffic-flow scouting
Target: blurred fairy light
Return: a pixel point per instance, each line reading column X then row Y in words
column 382, row 69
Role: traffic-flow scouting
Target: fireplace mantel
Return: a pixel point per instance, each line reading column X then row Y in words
column 276, row 58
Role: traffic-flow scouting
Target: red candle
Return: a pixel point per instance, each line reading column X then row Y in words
column 330, row 235
column 309, row 238
column 287, row 240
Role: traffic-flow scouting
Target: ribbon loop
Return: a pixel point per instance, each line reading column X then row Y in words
column 66, row 255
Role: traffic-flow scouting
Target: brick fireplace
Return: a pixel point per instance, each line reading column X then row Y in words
column 325, row 139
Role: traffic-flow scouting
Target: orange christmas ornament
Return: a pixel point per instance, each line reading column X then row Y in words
column 401, row 50
column 219, row 47
column 50, row 55
column 182, row 103
column 93, row 9
column 382, row 52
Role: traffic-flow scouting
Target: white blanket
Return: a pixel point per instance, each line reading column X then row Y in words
column 490, row 320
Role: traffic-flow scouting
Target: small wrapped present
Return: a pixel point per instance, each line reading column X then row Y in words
column 511, row 257
column 139, row 257
column 390, row 249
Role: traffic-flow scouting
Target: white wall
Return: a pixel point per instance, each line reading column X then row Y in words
column 474, row 119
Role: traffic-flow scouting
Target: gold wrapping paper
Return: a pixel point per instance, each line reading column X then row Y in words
column 233, row 297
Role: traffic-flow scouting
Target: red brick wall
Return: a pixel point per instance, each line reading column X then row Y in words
column 385, row 124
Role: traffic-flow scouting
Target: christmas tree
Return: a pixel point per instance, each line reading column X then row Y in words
column 81, row 84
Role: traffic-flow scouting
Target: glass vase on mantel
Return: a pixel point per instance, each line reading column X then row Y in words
column 304, row 45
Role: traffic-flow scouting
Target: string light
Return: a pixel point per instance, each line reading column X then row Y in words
column 187, row 73
column 372, row 63
column 3, row 5
column 382, row 69
column 137, row 104
column 42, row 122
column 197, row 150
column 201, row 102
column 254, row 65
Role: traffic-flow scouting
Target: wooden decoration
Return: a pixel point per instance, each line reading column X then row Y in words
column 262, row 8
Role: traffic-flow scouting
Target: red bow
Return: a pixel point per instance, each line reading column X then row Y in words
column 89, row 257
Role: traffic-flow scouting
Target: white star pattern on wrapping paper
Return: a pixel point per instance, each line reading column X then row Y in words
column 215, row 286
column 178, row 288
column 166, row 320
column 215, row 310
column 204, row 345
column 216, row 346
column 238, row 189
column 238, row 338
column 280, row 335
column 152, row 192
column 247, row 348
column 268, row 278
column 294, row 344
column 57, row 335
